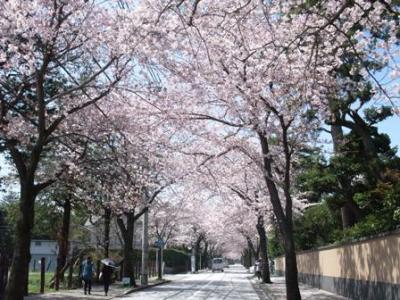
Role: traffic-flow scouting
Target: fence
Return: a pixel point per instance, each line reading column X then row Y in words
column 364, row 269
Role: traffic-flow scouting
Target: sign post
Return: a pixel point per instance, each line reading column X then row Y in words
column 160, row 257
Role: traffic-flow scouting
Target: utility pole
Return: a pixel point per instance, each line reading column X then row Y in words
column 145, row 249
column 160, row 261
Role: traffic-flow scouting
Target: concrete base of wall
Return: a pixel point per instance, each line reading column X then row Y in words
column 353, row 289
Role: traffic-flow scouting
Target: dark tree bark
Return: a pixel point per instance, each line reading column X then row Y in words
column 63, row 242
column 283, row 215
column 266, row 278
column 350, row 211
column 205, row 255
column 255, row 251
column 107, row 220
column 247, row 253
column 291, row 266
column 18, row 278
column 127, row 232
column 198, row 252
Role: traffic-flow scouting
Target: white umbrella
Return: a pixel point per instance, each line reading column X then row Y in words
column 109, row 262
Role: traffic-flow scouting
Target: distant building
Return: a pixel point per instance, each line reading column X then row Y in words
column 47, row 249
column 43, row 248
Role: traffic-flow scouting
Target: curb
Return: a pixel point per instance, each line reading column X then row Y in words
column 141, row 288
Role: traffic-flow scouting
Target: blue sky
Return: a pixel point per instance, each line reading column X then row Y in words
column 391, row 126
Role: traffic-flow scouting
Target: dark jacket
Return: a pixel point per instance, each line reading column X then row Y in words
column 107, row 273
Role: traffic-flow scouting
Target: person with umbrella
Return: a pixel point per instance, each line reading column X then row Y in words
column 106, row 273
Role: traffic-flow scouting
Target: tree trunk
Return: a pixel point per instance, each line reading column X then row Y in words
column 251, row 247
column 247, row 257
column 205, row 255
column 63, row 241
column 284, row 222
column 18, row 279
column 198, row 253
column 127, row 233
column 292, row 293
column 350, row 211
column 107, row 220
column 266, row 278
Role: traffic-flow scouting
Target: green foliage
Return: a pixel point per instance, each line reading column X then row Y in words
column 374, row 115
column 275, row 247
column 318, row 226
column 6, row 239
column 46, row 221
column 370, row 225
column 315, row 178
column 372, row 184
column 383, row 202
column 176, row 258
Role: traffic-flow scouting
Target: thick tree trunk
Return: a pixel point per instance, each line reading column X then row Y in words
column 284, row 219
column 265, row 275
column 127, row 233
column 18, row 279
column 107, row 220
column 198, row 253
column 350, row 211
column 248, row 258
column 347, row 217
column 63, row 241
column 292, row 293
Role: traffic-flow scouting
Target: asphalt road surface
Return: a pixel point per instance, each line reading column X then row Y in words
column 230, row 285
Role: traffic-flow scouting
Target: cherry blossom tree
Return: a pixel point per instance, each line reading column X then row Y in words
column 265, row 71
column 256, row 78
column 57, row 59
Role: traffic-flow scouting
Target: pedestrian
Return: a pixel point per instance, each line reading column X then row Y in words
column 105, row 275
column 87, row 274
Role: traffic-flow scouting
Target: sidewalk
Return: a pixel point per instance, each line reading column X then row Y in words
column 277, row 291
column 116, row 290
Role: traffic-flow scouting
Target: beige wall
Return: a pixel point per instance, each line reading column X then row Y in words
column 376, row 259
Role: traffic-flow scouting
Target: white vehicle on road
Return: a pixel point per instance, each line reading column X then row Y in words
column 217, row 264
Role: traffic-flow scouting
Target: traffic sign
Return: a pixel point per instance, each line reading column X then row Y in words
column 159, row 243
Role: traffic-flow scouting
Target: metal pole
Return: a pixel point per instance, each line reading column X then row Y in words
column 162, row 261
column 157, row 263
column 145, row 249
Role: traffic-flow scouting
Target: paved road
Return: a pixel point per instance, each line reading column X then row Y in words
column 230, row 285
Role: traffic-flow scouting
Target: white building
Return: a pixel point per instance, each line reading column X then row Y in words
column 49, row 250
